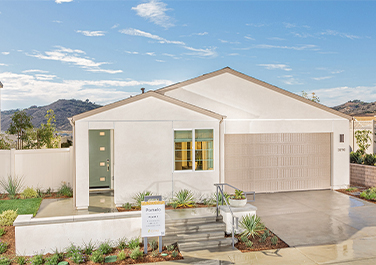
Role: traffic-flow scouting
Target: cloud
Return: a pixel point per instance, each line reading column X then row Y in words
column 256, row 25
column 160, row 61
column 276, row 66
column 155, row 11
column 91, row 33
column 291, row 80
column 34, row 71
column 208, row 52
column 62, row 1
column 140, row 33
column 276, row 38
column 131, row 52
column 57, row 21
column 5, row 53
column 337, row 72
column 74, row 57
column 3, row 64
column 289, row 25
column 230, row 42
column 321, row 78
column 115, row 26
column 23, row 90
column 201, row 33
column 249, row 38
column 297, row 48
column 330, row 32
column 150, row 53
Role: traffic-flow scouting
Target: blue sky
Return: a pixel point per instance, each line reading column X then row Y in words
column 105, row 51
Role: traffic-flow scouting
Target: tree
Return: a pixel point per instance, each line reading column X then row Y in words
column 313, row 97
column 47, row 134
column 19, row 124
column 363, row 140
column 4, row 142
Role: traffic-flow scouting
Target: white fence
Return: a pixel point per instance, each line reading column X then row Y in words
column 39, row 168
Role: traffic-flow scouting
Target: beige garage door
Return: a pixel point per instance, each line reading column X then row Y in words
column 278, row 161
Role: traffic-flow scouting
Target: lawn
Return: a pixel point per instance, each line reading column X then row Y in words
column 24, row 206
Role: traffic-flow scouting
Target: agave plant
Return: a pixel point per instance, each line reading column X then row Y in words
column 140, row 197
column 239, row 195
column 252, row 225
column 183, row 198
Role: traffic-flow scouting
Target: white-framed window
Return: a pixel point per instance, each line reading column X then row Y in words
column 201, row 152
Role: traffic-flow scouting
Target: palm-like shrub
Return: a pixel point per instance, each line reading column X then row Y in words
column 183, row 198
column 252, row 225
column 140, row 197
column 12, row 185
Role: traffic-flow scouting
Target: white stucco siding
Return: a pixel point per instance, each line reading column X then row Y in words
column 238, row 98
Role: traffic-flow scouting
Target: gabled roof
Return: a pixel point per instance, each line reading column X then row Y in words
column 146, row 95
column 253, row 80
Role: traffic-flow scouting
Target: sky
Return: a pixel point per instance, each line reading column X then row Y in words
column 106, row 51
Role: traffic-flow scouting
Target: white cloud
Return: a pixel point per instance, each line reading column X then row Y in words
column 5, row 53
column 140, row 33
column 231, row 42
column 34, row 71
column 290, row 80
column 74, row 57
column 3, row 64
column 115, row 26
column 24, row 90
column 201, row 33
column 330, row 32
column 289, row 25
column 337, row 72
column 297, row 48
column 276, row 66
column 131, row 52
column 91, row 33
column 256, row 25
column 276, row 38
column 57, row 21
column 233, row 54
column 150, row 53
column 249, row 38
column 208, row 52
column 155, row 11
column 322, row 78
column 62, row 1
column 160, row 61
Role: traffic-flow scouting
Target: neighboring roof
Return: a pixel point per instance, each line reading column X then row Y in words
column 253, row 80
column 146, row 95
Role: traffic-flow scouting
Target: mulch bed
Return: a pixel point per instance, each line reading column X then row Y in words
column 257, row 245
column 9, row 238
column 52, row 195
column 359, row 189
column 167, row 207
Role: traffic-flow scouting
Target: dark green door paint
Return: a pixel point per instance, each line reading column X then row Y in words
column 99, row 159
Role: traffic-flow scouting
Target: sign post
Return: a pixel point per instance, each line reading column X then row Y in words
column 153, row 220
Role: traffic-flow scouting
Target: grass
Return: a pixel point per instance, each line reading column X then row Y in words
column 24, row 206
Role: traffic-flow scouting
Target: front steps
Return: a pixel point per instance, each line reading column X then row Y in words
column 196, row 233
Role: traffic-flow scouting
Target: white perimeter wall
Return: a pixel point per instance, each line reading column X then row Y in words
column 39, row 168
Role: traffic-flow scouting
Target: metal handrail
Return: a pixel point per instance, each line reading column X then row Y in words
column 234, row 224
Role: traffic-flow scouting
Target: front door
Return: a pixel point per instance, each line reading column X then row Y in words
column 99, row 159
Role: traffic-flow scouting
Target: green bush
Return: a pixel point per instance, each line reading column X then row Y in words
column 183, row 198
column 155, row 253
column 136, row 253
column 252, row 225
column 266, row 233
column 153, row 244
column 351, row 189
column 3, row 247
column 134, row 243
column 140, row 197
column 78, row 257
column 89, row 248
column 2, row 232
column 5, row 260
column 105, row 247
column 52, row 260
column 274, row 240
column 369, row 159
column 249, row 243
column 71, row 250
column 37, row 260
column 29, row 193
column 21, row 260
column 127, row 206
column 170, row 247
column 97, row 256
column 174, row 253
column 121, row 255
column 244, row 239
column 369, row 194
column 12, row 185
column 7, row 217
column 263, row 238
column 65, row 190
column 122, row 243
column 356, row 157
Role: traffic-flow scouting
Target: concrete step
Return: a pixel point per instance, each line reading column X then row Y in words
column 183, row 238
column 195, row 228
column 199, row 245
column 194, row 220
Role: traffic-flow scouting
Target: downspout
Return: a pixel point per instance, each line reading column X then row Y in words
column 73, row 164
column 220, row 151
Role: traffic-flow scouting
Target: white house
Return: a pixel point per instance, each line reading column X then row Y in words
column 223, row 126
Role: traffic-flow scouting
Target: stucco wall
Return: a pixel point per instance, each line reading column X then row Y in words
column 362, row 175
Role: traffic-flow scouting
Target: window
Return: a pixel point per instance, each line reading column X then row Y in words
column 201, row 153
column 341, row 138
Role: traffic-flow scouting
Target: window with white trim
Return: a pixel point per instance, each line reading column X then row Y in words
column 201, row 152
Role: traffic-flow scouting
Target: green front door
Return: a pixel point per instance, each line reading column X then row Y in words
column 99, row 159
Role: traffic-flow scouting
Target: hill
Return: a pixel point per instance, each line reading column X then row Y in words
column 63, row 109
column 357, row 107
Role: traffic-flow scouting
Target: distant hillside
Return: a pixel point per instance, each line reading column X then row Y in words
column 357, row 107
column 63, row 109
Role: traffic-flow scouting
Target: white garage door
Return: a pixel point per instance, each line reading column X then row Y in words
column 278, row 161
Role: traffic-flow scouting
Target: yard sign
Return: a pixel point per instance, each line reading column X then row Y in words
column 153, row 218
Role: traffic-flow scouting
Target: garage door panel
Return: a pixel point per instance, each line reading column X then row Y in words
column 278, row 162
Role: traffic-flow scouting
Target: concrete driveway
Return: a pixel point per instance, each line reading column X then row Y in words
column 323, row 217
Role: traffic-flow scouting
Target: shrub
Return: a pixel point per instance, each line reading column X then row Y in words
column 244, row 239
column 134, row 243
column 174, row 254
column 369, row 194
column 37, row 260
column 136, row 253
column 122, row 255
column 105, row 247
column 155, row 253
column 71, row 250
column 89, row 248
column 274, row 240
column 249, row 244
column 356, row 157
column 52, row 260
column 49, row 191
column 78, row 257
column 3, row 247
column 351, row 189
column 184, row 198
column 7, row 217
column 252, row 225
column 140, row 197
column 122, row 243
column 170, row 247
column 97, row 256
column 153, row 244
column 12, row 185
column 5, row 260
column 65, row 190
column 369, row 159
column 267, row 233
column 2, row 232
column 21, row 260
column 29, row 193
column 127, row 206
column 239, row 195
column 262, row 239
